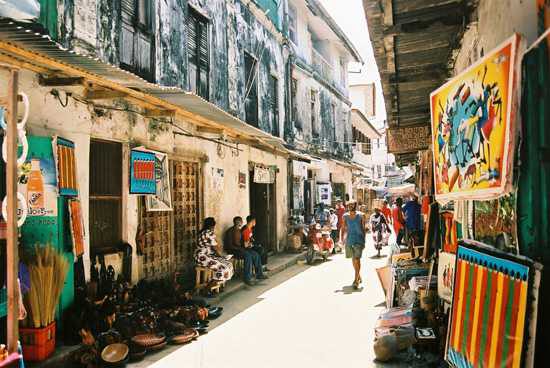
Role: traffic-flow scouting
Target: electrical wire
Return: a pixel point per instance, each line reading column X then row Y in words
column 126, row 109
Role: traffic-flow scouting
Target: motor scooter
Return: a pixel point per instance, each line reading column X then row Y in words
column 319, row 243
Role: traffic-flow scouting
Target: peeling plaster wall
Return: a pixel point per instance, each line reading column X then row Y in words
column 496, row 21
column 81, row 123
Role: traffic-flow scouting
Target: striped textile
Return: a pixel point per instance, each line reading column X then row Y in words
column 488, row 311
column 66, row 167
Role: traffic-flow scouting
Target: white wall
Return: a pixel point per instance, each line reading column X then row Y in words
column 497, row 21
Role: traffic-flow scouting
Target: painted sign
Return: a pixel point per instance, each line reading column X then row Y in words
column 489, row 312
column 64, row 154
column 162, row 200
column 142, row 172
column 408, row 139
column 472, row 128
column 262, row 175
column 38, row 182
column 445, row 275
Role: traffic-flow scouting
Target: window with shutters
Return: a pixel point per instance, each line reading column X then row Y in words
column 105, row 196
column 198, row 53
column 274, row 105
column 315, row 129
column 136, row 38
column 367, row 149
column 251, row 100
column 292, row 24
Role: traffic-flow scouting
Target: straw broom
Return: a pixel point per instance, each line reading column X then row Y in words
column 47, row 270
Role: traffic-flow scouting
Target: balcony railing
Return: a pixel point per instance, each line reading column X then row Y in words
column 322, row 66
column 326, row 71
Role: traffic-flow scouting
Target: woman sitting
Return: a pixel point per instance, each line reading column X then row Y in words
column 208, row 253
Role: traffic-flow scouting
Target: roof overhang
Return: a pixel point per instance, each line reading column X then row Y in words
column 362, row 123
column 28, row 47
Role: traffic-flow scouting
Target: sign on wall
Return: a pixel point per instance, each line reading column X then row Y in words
column 262, row 175
column 472, row 128
column 242, row 180
column 408, row 139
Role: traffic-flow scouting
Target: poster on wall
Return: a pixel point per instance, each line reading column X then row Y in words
column 162, row 200
column 77, row 227
column 493, row 308
column 38, row 184
column 446, row 275
column 142, row 172
column 472, row 118
column 217, row 179
column 64, row 155
column 242, row 180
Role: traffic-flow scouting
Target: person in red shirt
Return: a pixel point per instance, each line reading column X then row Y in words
column 386, row 211
column 398, row 220
column 248, row 240
column 340, row 211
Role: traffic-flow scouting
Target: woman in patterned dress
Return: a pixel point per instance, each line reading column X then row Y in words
column 208, row 253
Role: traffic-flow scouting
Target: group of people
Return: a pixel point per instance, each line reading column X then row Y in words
column 238, row 242
column 405, row 219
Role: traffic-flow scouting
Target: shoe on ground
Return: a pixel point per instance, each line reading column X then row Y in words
column 262, row 277
column 265, row 269
column 249, row 282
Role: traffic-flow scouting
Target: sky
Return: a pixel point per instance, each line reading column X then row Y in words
column 350, row 16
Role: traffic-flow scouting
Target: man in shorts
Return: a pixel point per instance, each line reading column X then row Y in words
column 353, row 233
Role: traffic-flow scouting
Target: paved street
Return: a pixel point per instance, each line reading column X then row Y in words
column 309, row 315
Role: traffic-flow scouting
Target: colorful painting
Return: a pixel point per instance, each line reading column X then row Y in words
column 446, row 275
column 142, row 172
column 472, row 128
column 242, row 180
column 449, row 234
column 64, row 151
column 77, row 227
column 489, row 313
column 162, row 200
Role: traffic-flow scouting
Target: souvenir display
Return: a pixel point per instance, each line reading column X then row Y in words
column 473, row 126
column 490, row 312
column 77, row 227
column 142, row 172
column 64, row 153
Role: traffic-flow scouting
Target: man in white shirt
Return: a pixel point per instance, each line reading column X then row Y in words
column 333, row 220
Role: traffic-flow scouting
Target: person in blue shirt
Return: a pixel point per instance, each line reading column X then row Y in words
column 353, row 233
column 411, row 210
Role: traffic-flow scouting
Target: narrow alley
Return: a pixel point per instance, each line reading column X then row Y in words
column 302, row 317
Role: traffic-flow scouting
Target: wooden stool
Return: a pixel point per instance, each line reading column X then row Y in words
column 203, row 276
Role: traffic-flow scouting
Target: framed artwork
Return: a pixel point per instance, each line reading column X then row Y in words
column 162, row 199
column 77, row 227
column 64, row 154
column 490, row 312
column 449, row 233
column 142, row 172
column 446, row 275
column 472, row 119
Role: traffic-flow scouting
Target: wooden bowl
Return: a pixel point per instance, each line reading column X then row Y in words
column 115, row 353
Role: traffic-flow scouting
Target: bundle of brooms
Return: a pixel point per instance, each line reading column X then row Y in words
column 47, row 269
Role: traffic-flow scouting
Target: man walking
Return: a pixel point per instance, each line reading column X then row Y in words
column 353, row 232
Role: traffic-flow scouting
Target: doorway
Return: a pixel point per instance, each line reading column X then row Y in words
column 263, row 208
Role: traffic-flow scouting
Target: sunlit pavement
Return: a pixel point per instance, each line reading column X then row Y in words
column 306, row 316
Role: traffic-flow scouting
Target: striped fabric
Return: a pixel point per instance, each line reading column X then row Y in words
column 66, row 167
column 488, row 311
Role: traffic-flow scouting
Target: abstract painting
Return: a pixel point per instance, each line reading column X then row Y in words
column 472, row 128
column 64, row 151
column 142, row 172
column 490, row 313
column 445, row 275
